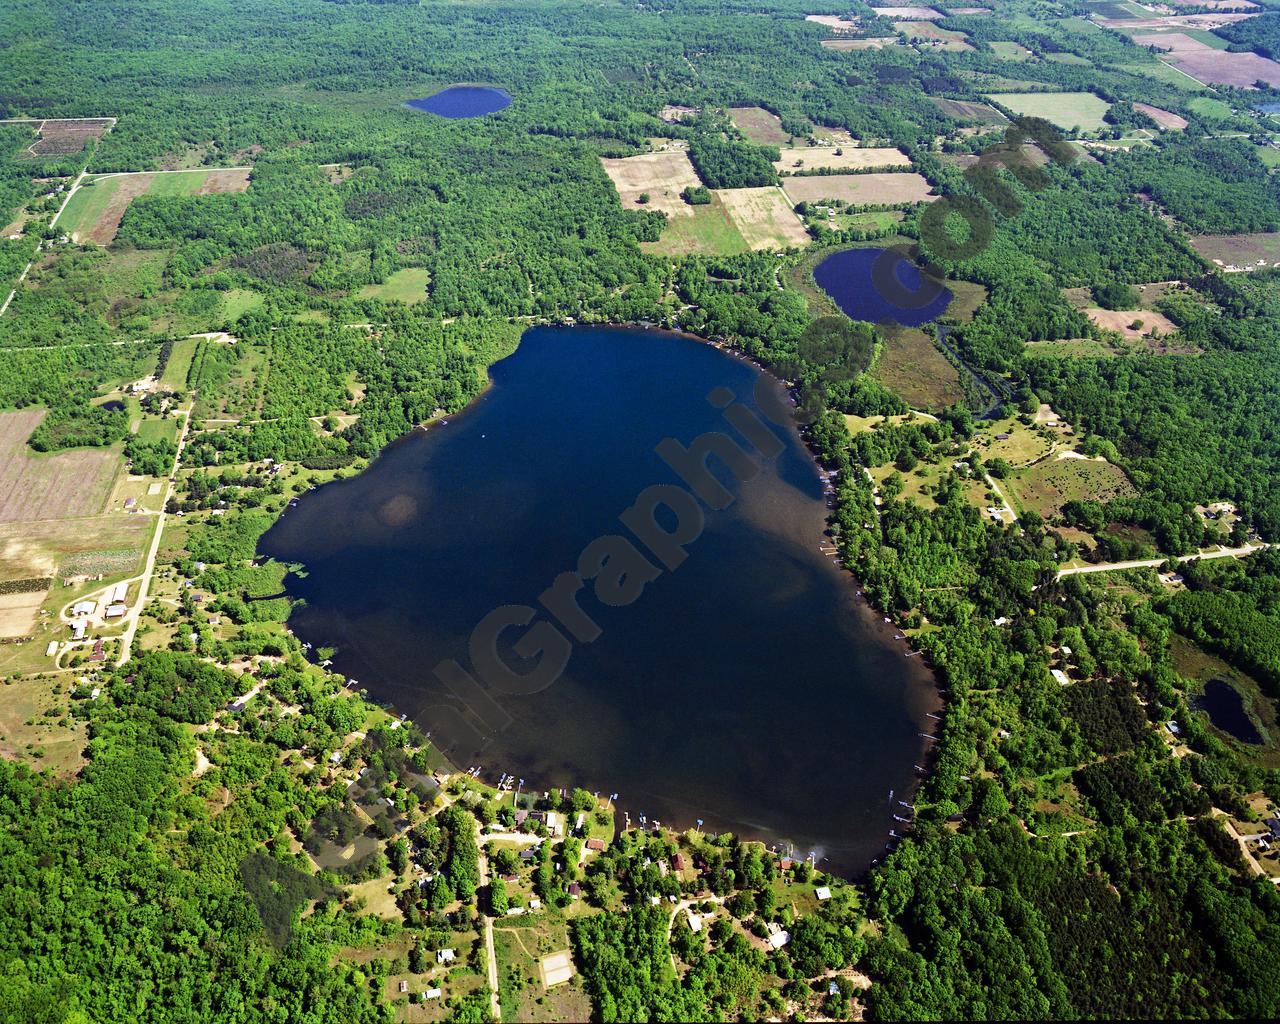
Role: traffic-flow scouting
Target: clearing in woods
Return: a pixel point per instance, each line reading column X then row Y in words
column 1164, row 118
column 1239, row 252
column 36, row 486
column 967, row 110
column 661, row 176
column 94, row 213
column 1067, row 110
column 407, row 286
column 873, row 189
column 1051, row 483
column 848, row 45
column 800, row 159
column 710, row 231
column 759, row 125
column 63, row 136
column 912, row 365
column 764, row 217
column 929, row 36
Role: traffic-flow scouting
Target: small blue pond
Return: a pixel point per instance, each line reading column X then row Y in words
column 862, row 294
column 464, row 101
column 1225, row 708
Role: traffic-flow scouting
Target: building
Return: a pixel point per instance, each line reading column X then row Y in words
column 678, row 862
column 404, row 986
column 446, row 956
column 118, row 593
column 595, row 844
column 1061, row 677
column 78, row 629
column 779, row 939
column 99, row 651
column 431, row 993
column 695, row 922
column 116, row 611
column 823, row 893
column 51, row 649
column 84, row 607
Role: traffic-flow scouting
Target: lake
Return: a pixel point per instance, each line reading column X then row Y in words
column 464, row 101
column 847, row 277
column 1224, row 705
column 749, row 686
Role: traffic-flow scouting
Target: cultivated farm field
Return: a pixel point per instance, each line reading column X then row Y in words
column 850, row 45
column 36, row 486
column 799, row 159
column 966, row 110
column 663, row 176
column 872, row 189
column 764, row 217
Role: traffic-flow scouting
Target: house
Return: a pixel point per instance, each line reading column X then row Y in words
column 1060, row 677
column 335, row 757
column 1002, row 437
column 1173, row 727
column 678, row 862
column 526, row 854
column 535, row 904
column 823, row 893
column 581, row 820
column 130, row 504
column 431, row 993
column 514, row 911
column 95, row 693
column 787, row 864
column 695, row 922
column 99, row 651
column 446, row 956
column 595, row 844
column 575, row 890
column 554, row 825
column 779, row 939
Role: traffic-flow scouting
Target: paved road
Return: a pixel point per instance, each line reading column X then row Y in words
column 1142, row 563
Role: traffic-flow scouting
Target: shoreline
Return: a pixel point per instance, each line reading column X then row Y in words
column 930, row 699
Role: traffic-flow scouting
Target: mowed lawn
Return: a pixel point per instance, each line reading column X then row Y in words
column 37, row 486
column 1067, row 110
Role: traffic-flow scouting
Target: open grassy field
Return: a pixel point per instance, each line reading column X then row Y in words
column 966, row 110
column 1050, row 484
column 662, row 176
column 1067, row 110
column 522, row 944
column 799, row 159
column 710, row 231
column 94, row 213
column 912, row 365
column 1072, row 348
column 1159, row 71
column 908, row 13
column 34, row 725
column 874, row 189
column 238, row 301
column 1245, row 252
column 407, row 286
column 759, row 125
column 37, row 486
column 1006, row 50
column 764, row 217
column 179, row 365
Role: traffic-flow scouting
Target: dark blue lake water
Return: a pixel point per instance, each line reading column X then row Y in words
column 464, row 101
column 1225, row 707
column 749, row 686
column 847, row 277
